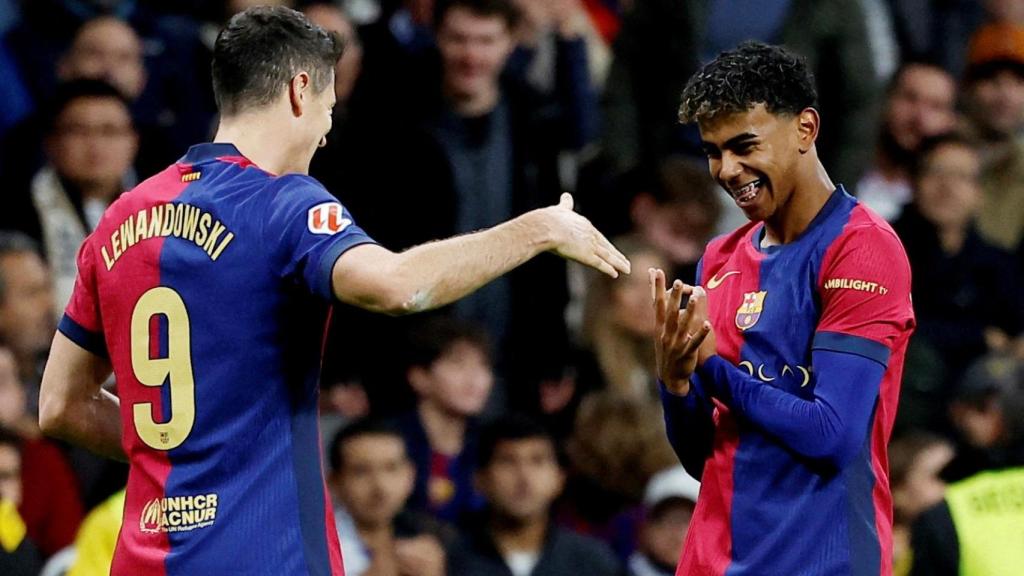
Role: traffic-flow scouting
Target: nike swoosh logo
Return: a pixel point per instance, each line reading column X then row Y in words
column 716, row 281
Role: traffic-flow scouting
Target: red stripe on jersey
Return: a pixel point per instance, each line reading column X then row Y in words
column 137, row 271
column 709, row 542
column 722, row 272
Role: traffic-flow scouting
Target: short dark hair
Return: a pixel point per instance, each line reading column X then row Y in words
column 262, row 49
column 362, row 427
column 435, row 336
column 929, row 145
column 510, row 428
column 753, row 73
column 72, row 90
column 504, row 9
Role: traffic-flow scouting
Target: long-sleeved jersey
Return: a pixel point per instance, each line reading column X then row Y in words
column 788, row 425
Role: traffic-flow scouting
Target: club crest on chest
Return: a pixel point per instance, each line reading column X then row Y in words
column 749, row 311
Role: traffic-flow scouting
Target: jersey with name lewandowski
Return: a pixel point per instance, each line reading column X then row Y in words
column 208, row 287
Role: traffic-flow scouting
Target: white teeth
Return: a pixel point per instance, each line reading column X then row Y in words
column 748, row 192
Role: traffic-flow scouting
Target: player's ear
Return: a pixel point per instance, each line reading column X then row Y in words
column 300, row 92
column 808, row 122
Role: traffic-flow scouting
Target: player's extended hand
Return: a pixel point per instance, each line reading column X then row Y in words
column 576, row 238
column 681, row 337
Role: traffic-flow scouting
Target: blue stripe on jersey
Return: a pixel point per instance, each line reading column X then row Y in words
column 309, row 478
column 91, row 341
column 865, row 551
column 238, row 445
column 763, row 520
column 853, row 344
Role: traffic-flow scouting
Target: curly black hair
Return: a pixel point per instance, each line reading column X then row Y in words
column 753, row 73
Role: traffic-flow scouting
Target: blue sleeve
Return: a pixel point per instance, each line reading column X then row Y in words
column 689, row 426
column 308, row 229
column 831, row 426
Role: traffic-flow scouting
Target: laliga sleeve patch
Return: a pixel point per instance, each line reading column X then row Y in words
column 327, row 218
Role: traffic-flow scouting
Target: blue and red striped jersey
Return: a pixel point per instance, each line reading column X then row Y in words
column 766, row 506
column 208, row 287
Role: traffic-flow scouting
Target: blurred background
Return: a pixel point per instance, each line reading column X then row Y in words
column 531, row 405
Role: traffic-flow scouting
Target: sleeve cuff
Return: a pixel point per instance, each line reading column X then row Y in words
column 326, row 268
column 838, row 342
column 91, row 341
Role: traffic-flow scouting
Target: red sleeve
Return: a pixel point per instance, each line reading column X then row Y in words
column 864, row 288
column 81, row 322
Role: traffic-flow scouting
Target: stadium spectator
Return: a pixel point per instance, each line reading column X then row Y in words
column 993, row 95
column 371, row 479
column 477, row 148
column 26, row 307
column 641, row 100
column 916, row 461
column 675, row 206
column 450, row 371
column 329, row 16
column 520, row 477
column 669, row 500
column 90, row 147
column 106, row 48
column 781, row 387
column 544, row 24
column 967, row 295
column 18, row 555
column 971, row 532
column 920, row 103
column 51, row 505
column 618, row 444
column 617, row 325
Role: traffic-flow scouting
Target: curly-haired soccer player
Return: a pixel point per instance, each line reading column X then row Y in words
column 206, row 289
column 781, row 375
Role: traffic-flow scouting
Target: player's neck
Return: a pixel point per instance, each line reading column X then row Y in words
column 810, row 193
column 259, row 138
column 511, row 535
column 445, row 431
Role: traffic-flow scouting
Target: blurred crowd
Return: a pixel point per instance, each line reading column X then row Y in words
column 518, row 432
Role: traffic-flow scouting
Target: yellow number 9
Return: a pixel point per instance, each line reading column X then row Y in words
column 176, row 366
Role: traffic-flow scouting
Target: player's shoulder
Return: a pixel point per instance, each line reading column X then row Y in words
column 866, row 228
column 866, row 241
column 298, row 189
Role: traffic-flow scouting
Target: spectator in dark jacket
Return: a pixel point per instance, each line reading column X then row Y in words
column 520, row 476
column 477, row 148
column 967, row 295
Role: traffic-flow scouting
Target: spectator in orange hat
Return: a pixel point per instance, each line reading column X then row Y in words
column 994, row 104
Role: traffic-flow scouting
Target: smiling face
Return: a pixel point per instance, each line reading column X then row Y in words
column 753, row 155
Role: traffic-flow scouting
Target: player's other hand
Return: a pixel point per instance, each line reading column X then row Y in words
column 681, row 337
column 575, row 238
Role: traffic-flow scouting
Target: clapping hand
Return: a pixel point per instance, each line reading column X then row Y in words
column 682, row 338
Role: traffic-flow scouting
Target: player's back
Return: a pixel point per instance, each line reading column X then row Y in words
column 202, row 279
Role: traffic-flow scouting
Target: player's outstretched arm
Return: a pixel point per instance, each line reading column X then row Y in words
column 74, row 406
column 438, row 273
